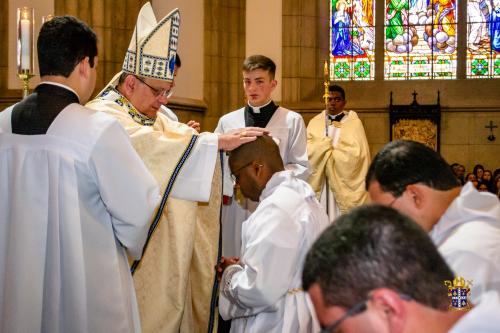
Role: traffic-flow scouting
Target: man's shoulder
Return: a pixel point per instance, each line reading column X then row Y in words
column 482, row 318
column 286, row 196
column 232, row 114
column 477, row 236
column 288, row 112
column 80, row 121
column 319, row 117
column 5, row 119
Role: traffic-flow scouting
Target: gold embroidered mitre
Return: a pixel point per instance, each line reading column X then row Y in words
column 153, row 47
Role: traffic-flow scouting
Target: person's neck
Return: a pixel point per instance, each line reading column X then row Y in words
column 65, row 81
column 440, row 202
column 262, row 105
column 436, row 321
column 332, row 113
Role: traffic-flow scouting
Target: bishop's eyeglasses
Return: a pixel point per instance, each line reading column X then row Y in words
column 157, row 92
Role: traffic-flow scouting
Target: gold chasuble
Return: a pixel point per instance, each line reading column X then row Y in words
column 175, row 277
column 344, row 164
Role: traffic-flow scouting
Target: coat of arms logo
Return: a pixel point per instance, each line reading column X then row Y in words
column 459, row 292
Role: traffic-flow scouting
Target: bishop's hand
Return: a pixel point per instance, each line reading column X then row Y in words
column 235, row 138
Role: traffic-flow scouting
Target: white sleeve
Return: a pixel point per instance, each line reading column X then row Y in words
column 5, row 120
column 194, row 181
column 228, row 184
column 297, row 161
column 268, row 265
column 128, row 190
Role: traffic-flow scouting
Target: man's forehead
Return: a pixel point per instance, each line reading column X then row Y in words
column 255, row 74
column 335, row 94
column 159, row 83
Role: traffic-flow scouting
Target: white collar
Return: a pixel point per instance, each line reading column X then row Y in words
column 256, row 109
column 471, row 205
column 60, row 85
column 288, row 179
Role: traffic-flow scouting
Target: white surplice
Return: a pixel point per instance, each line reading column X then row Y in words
column 288, row 128
column 72, row 202
column 167, row 112
column 468, row 238
column 483, row 318
column 263, row 293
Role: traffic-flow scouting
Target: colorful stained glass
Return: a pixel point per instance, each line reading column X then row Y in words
column 352, row 40
column 420, row 39
column 483, row 38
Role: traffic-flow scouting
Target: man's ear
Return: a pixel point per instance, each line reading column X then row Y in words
column 257, row 167
column 390, row 307
column 274, row 83
column 129, row 84
column 416, row 194
column 84, row 67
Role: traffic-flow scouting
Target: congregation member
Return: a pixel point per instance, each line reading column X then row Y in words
column 174, row 282
column 375, row 270
column 286, row 126
column 478, row 172
column 458, row 171
column 463, row 223
column 75, row 199
column 261, row 291
column 339, row 155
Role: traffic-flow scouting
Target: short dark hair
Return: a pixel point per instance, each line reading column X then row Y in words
column 339, row 89
column 264, row 148
column 402, row 163
column 259, row 61
column 376, row 247
column 63, row 42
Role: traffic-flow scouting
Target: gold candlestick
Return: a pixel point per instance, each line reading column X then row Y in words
column 25, row 77
column 326, row 83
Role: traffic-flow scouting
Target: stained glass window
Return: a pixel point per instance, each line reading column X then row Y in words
column 420, row 39
column 352, row 40
column 483, row 38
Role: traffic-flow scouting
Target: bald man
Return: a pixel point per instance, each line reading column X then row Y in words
column 262, row 291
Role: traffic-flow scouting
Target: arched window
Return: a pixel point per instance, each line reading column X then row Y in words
column 352, row 39
column 420, row 39
column 483, row 38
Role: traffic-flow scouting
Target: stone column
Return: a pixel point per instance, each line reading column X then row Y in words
column 224, row 49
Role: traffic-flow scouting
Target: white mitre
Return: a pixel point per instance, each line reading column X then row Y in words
column 153, row 47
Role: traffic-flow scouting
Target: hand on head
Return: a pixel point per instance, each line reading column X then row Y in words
column 235, row 138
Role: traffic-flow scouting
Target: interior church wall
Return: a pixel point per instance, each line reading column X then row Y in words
column 467, row 105
column 216, row 35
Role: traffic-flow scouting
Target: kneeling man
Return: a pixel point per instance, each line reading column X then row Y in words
column 261, row 292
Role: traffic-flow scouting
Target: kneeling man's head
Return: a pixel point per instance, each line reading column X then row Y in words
column 375, row 270
column 253, row 164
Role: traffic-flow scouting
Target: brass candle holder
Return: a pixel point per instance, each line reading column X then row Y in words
column 25, row 77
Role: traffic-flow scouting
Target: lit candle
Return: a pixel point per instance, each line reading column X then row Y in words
column 25, row 44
